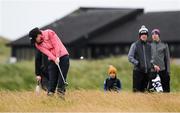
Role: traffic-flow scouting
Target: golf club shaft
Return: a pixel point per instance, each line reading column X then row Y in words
column 38, row 82
column 61, row 74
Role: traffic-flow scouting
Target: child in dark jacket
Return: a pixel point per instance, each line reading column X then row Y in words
column 112, row 83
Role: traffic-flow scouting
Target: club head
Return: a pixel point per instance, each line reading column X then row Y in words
column 37, row 89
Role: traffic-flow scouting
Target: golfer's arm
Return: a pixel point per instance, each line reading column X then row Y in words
column 38, row 62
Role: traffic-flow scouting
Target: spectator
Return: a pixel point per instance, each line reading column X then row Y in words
column 160, row 60
column 112, row 83
column 140, row 56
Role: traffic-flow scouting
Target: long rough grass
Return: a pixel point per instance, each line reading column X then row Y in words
column 83, row 74
column 89, row 101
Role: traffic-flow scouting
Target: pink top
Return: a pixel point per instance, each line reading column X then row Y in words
column 51, row 45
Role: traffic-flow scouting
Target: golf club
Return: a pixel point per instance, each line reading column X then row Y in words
column 65, row 83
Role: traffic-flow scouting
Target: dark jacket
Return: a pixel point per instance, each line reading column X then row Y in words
column 112, row 84
column 140, row 55
column 41, row 63
column 160, row 55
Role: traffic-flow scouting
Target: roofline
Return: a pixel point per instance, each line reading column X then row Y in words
column 107, row 8
column 163, row 11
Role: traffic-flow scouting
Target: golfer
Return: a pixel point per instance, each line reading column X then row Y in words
column 50, row 44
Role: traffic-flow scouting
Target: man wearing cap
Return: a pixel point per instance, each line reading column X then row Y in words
column 140, row 56
column 160, row 59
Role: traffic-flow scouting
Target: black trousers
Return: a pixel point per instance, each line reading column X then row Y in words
column 140, row 81
column 55, row 79
column 44, row 80
column 165, row 80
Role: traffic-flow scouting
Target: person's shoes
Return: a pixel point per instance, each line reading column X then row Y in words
column 50, row 94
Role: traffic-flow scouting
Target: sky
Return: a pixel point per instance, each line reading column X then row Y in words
column 17, row 17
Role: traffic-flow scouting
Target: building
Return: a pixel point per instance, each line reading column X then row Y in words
column 102, row 32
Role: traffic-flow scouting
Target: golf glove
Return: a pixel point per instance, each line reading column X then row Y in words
column 38, row 78
column 57, row 61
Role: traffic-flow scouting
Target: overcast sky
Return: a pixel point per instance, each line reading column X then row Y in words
column 17, row 17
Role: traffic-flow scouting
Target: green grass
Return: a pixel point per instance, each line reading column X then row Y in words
column 4, row 50
column 90, row 74
column 83, row 74
column 17, row 76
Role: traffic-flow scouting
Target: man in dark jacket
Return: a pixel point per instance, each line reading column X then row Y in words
column 41, row 64
column 160, row 59
column 140, row 56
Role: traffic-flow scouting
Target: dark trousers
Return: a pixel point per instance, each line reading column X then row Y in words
column 140, row 81
column 165, row 80
column 55, row 79
column 44, row 80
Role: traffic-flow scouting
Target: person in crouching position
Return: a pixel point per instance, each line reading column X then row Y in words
column 47, row 42
column 112, row 83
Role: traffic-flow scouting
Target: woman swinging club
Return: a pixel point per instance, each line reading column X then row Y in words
column 50, row 44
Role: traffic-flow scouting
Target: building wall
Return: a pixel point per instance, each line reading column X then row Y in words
column 90, row 51
column 174, row 50
column 101, row 51
column 22, row 53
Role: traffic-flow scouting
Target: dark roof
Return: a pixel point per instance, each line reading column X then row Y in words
column 167, row 22
column 111, row 25
column 83, row 22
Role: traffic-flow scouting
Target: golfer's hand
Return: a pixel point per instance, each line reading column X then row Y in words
column 157, row 68
column 38, row 78
column 57, row 61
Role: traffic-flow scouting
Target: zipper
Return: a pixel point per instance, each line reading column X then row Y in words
column 145, row 59
column 156, row 49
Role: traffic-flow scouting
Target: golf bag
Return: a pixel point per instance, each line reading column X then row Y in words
column 156, row 83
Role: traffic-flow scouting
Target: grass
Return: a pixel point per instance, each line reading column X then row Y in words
column 83, row 74
column 89, row 101
column 17, row 76
column 4, row 50
column 90, row 74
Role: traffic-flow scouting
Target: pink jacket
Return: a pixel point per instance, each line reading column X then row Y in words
column 51, row 45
